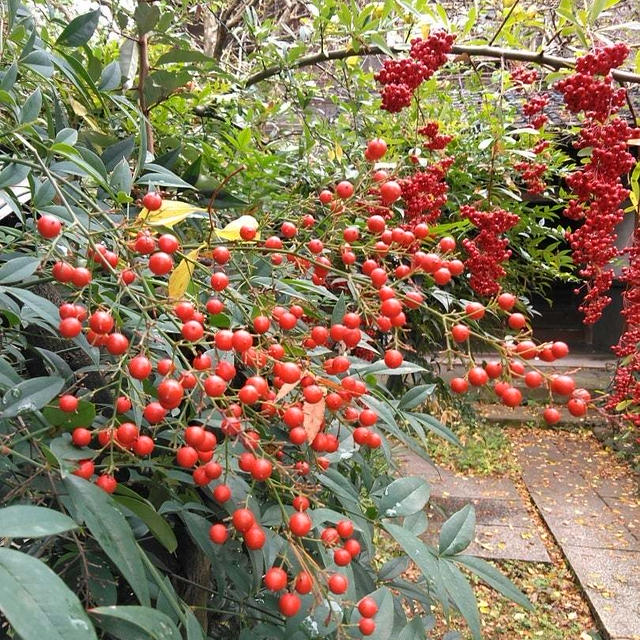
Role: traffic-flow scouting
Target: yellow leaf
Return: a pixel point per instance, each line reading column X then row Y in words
column 425, row 30
column 338, row 152
column 170, row 213
column 78, row 108
column 181, row 275
column 232, row 230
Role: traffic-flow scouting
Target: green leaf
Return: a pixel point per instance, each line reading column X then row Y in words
column 38, row 305
column 416, row 396
column 31, row 107
column 167, row 179
column 413, row 631
column 121, row 177
column 110, row 77
column 404, row 497
column 192, row 626
column 135, row 623
column 495, row 579
column 112, row 532
column 146, row 16
column 433, row 424
column 37, row 603
column 83, row 416
column 422, row 555
column 40, row 62
column 461, row 593
column 457, row 532
column 27, row 521
column 13, row 174
column 158, row 526
column 380, row 367
column 596, row 9
column 30, row 395
column 79, row 30
column 18, row 269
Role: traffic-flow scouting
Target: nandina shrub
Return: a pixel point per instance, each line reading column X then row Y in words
column 196, row 419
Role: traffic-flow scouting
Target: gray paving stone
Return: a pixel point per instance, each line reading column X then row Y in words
column 611, row 581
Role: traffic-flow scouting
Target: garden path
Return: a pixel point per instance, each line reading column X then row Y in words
column 592, row 509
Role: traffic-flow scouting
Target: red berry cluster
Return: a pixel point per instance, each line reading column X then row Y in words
column 603, row 59
column 437, row 141
column 533, row 110
column 598, row 184
column 487, row 250
column 402, row 77
column 583, row 91
column 532, row 173
column 521, row 75
column 425, row 193
column 627, row 378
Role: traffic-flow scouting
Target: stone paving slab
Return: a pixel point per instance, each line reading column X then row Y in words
column 504, row 529
column 568, row 477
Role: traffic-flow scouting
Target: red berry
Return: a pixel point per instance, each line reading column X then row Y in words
column 81, row 437
column 563, row 385
column 85, row 469
column 345, row 528
column 303, row 583
column 117, row 344
column 478, row 376
column 460, row 332
column 222, row 493
column 127, row 433
column 218, row 533
column 367, row 626
column 367, row 607
column 300, row 523
column 559, row 349
column 70, row 327
column 186, row 457
column 143, row 446
column 338, row 583
column 255, row 538
column 551, row 415
column 275, row 579
column 512, row 397
column 160, row 263
column 517, row 321
column 577, row 407
column 390, row 192
column 140, row 367
column 376, row 148
column 152, row 201
column 344, row 189
column 48, row 226
column 506, row 301
column 459, row 385
column 68, row 403
column 107, row 483
column 393, row 358
column 341, row 557
column 168, row 243
column 289, row 604
column 170, row 393
column 243, row 520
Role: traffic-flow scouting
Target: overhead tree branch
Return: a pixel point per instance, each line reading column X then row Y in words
column 554, row 62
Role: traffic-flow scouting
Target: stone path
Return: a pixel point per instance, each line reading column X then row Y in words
column 593, row 512
column 504, row 529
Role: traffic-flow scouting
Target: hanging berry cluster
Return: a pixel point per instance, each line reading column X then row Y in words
column 488, row 249
column 627, row 378
column 425, row 193
column 400, row 78
column 532, row 173
column 598, row 184
column 435, row 141
column 521, row 75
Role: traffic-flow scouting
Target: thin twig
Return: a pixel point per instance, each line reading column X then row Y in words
column 215, row 194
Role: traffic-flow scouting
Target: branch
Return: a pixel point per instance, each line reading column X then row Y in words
column 542, row 59
column 143, row 55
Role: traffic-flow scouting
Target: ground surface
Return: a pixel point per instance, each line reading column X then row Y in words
column 564, row 512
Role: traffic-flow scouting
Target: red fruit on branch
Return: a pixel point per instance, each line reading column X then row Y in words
column 152, row 201
column 48, row 226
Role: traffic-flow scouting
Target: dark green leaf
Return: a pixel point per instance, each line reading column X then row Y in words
column 110, row 77
column 415, row 396
column 40, row 62
column 135, row 623
column 79, row 30
column 13, row 174
column 404, row 497
column 461, row 593
column 146, row 16
column 30, row 395
column 37, row 603
column 18, row 269
column 27, row 521
column 495, row 579
column 158, row 526
column 457, row 532
column 121, row 178
column 31, row 107
column 109, row 527
column 83, row 416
